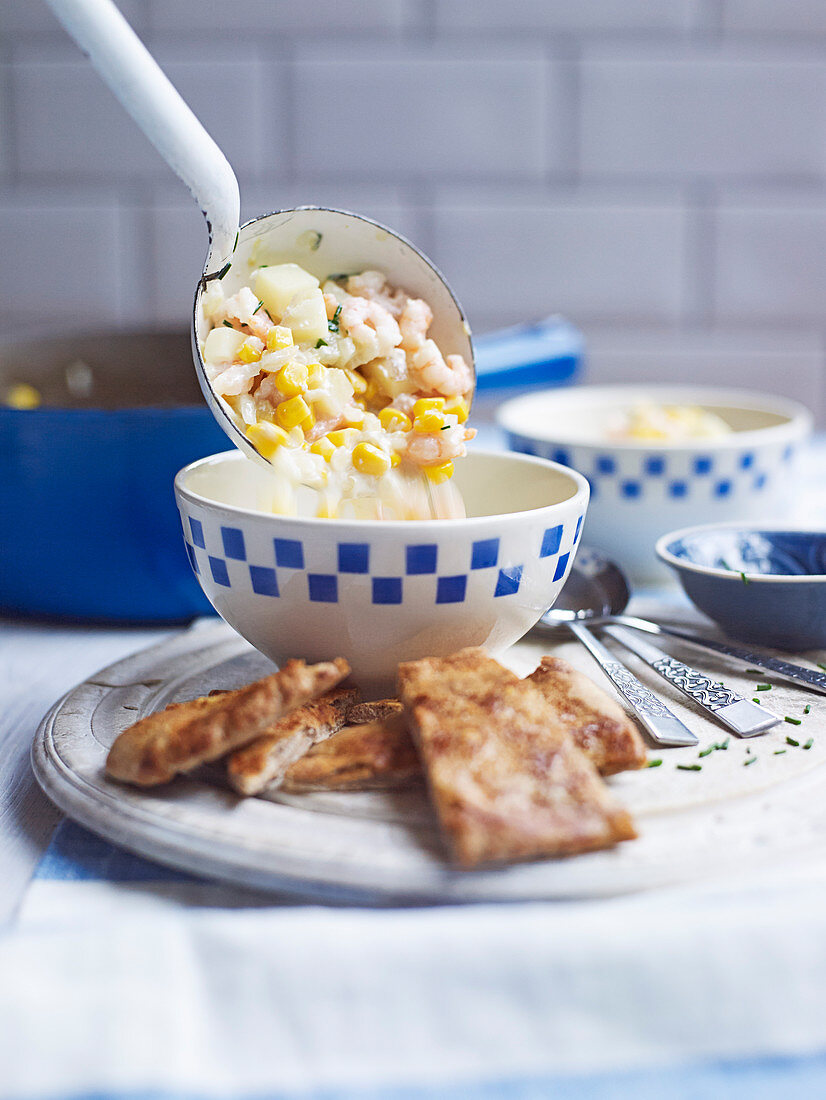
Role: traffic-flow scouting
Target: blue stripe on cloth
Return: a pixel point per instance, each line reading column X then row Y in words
column 75, row 854
column 752, row 1079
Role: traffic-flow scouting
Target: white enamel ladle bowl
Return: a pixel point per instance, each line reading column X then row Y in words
column 323, row 241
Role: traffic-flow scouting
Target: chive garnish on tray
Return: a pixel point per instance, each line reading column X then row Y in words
column 809, row 743
column 751, row 760
column 707, row 752
column 762, row 687
column 778, row 752
column 791, row 741
column 792, row 721
column 653, row 763
column 807, row 708
column 689, row 767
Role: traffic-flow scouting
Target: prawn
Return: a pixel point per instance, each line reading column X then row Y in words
column 371, row 328
column 415, row 320
column 243, row 310
column 450, row 377
column 433, row 448
column 373, row 286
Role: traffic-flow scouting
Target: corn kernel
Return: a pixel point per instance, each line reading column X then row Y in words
column 395, row 459
column 341, row 437
column 251, row 350
column 293, row 412
column 357, row 381
column 316, row 375
column 457, row 406
column 22, row 396
column 426, row 404
column 394, row 420
column 266, row 437
column 431, row 420
column 370, row 459
column 279, row 337
column 440, row 473
column 307, row 422
column 292, row 379
column 323, row 447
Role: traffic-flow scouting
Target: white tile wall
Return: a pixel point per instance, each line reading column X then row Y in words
column 587, row 259
column 424, row 113
column 657, row 170
column 694, row 112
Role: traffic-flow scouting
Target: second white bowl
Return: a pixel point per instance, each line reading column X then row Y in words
column 640, row 490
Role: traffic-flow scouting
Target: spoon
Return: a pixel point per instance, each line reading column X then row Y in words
column 322, row 240
column 597, row 592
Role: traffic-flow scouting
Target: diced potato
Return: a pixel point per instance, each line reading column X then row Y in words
column 277, row 286
column 307, row 318
column 222, row 345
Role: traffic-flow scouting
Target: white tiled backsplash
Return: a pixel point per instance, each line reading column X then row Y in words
column 654, row 169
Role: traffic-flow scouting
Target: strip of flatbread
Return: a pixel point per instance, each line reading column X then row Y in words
column 362, row 713
column 596, row 722
column 371, row 756
column 263, row 762
column 506, row 780
column 179, row 738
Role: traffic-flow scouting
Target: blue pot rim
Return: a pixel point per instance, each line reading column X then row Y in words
column 661, row 548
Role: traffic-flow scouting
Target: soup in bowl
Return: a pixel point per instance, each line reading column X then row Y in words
column 381, row 592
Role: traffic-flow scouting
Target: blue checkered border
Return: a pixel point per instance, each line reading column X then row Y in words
column 223, row 557
column 712, row 475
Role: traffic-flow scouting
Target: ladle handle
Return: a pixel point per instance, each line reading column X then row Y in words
column 143, row 89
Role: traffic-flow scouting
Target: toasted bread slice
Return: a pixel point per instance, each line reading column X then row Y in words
column 596, row 722
column 362, row 713
column 371, row 756
column 263, row 762
column 507, row 781
column 179, row 738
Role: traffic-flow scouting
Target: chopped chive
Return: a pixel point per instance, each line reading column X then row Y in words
column 807, row 708
column 237, row 235
column 316, row 242
column 762, row 687
column 689, row 767
column 755, row 700
column 724, row 744
column 338, row 276
column 819, row 665
column 706, row 752
column 744, row 578
column 332, row 326
column 653, row 763
column 229, row 324
column 751, row 760
column 337, row 312
column 809, row 743
column 755, row 671
column 791, row 741
column 223, row 271
column 792, row 721
column 321, row 343
column 778, row 752
column 269, row 315
column 260, row 303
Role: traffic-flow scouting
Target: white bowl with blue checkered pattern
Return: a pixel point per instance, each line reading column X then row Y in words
column 641, row 490
column 380, row 593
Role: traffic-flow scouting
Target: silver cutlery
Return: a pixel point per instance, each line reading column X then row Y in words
column 740, row 715
column 664, row 727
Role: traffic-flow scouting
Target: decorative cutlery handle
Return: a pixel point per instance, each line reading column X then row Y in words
column 740, row 715
column 799, row 673
column 709, row 693
column 664, row 727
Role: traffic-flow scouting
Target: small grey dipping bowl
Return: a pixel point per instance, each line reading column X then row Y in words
column 759, row 583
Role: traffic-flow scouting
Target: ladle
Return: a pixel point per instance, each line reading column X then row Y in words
column 324, row 241
column 597, row 593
